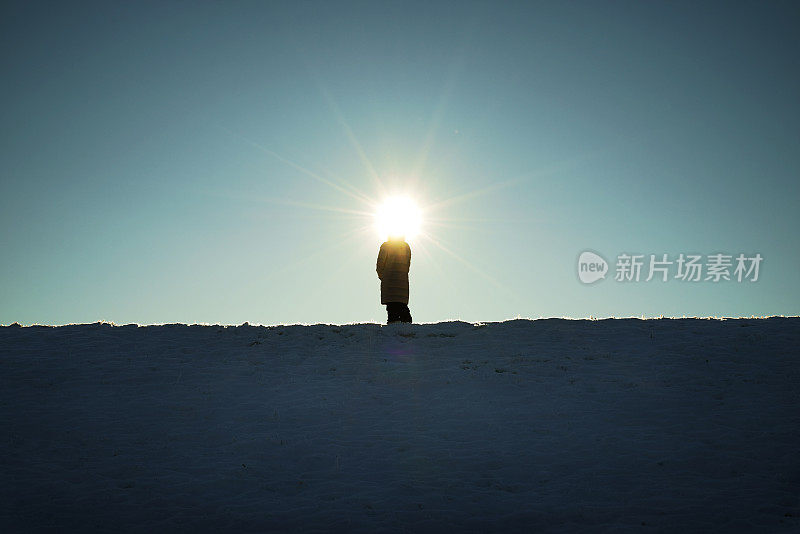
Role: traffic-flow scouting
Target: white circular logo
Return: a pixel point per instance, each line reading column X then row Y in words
column 591, row 267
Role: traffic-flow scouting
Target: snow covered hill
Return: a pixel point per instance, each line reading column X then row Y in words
column 542, row 426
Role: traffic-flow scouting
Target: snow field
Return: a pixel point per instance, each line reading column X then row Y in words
column 547, row 425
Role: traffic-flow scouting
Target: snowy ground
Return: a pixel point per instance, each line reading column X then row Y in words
column 548, row 425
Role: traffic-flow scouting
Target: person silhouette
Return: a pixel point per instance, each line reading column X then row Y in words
column 394, row 260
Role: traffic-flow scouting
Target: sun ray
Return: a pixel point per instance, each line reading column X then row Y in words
column 287, row 202
column 364, row 250
column 325, row 216
column 554, row 168
column 470, row 228
column 359, row 232
column 472, row 194
column 309, row 205
column 482, row 220
column 436, row 118
column 439, row 270
column 356, row 194
column 353, row 141
column 366, row 199
column 479, row 224
column 491, row 279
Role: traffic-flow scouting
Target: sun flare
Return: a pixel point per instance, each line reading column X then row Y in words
column 398, row 217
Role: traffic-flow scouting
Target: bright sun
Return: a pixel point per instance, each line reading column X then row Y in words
column 398, row 216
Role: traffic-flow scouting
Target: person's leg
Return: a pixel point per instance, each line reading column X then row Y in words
column 392, row 312
column 405, row 314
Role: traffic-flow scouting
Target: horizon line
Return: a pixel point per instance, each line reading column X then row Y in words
column 481, row 323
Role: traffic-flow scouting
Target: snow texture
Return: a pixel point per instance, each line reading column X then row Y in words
column 550, row 425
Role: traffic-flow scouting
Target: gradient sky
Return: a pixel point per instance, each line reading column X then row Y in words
column 206, row 161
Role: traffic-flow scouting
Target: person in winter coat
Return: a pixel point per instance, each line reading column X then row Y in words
column 394, row 260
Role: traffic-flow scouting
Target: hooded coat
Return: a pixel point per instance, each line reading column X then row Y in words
column 394, row 260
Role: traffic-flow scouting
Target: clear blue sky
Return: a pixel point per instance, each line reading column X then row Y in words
column 201, row 161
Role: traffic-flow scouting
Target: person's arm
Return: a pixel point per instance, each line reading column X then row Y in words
column 381, row 263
